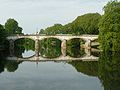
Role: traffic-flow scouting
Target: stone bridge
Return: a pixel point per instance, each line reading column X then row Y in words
column 63, row 37
column 57, row 36
column 60, row 58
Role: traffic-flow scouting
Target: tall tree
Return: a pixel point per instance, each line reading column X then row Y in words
column 11, row 27
column 109, row 27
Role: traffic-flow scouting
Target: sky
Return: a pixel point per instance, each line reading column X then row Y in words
column 33, row 15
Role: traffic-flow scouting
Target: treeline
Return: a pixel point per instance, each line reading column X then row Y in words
column 85, row 24
column 11, row 27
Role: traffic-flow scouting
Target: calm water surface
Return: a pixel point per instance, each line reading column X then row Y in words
column 50, row 75
column 47, row 76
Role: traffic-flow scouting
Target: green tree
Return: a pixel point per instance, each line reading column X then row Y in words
column 11, row 27
column 41, row 31
column 86, row 24
column 55, row 29
column 2, row 35
column 109, row 27
column 68, row 28
column 74, row 49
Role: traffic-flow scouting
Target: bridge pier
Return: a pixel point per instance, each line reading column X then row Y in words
column 88, row 52
column 37, row 47
column 64, row 47
column 88, row 44
column 11, row 47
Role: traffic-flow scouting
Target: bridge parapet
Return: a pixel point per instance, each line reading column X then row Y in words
column 60, row 37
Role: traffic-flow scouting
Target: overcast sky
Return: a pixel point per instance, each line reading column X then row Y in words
column 32, row 15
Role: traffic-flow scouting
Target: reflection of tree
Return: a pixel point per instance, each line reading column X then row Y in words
column 89, row 68
column 50, row 47
column 27, row 43
column 23, row 44
column 11, row 66
column 73, row 48
column 109, row 70
column 1, row 66
column 2, row 60
column 19, row 50
column 97, row 54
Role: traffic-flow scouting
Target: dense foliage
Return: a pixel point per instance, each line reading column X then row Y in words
column 56, row 29
column 85, row 24
column 109, row 27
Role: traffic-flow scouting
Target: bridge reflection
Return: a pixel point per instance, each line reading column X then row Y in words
column 61, row 58
column 87, row 57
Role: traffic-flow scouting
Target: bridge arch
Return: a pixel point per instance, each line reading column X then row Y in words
column 70, row 38
column 28, row 57
column 25, row 39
